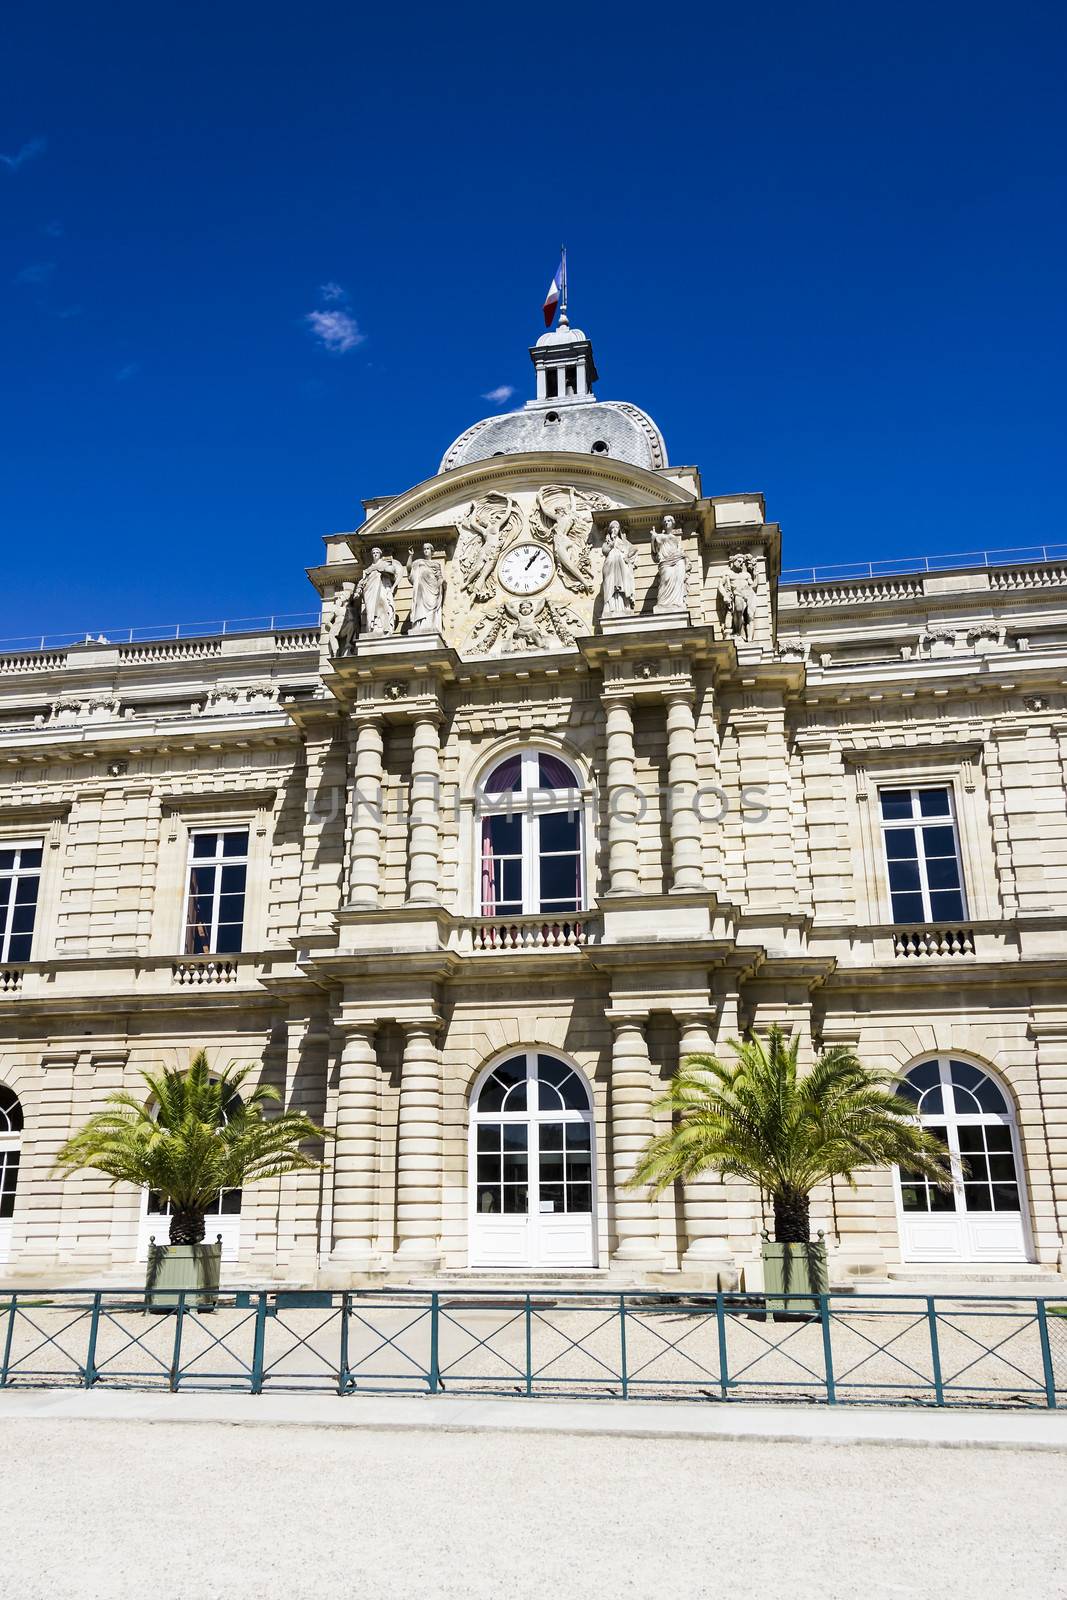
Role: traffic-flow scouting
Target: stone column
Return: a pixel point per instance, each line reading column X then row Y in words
column 355, row 1151
column 424, row 865
column 636, row 1223
column 622, row 800
column 687, row 871
column 367, row 811
column 704, row 1199
column 418, row 1159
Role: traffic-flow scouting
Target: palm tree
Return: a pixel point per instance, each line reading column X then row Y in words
column 786, row 1131
column 194, row 1136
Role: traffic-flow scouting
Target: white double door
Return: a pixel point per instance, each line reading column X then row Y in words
column 532, row 1168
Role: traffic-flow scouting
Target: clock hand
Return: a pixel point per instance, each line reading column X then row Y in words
column 531, row 561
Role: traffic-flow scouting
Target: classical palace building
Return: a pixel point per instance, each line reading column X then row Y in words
column 566, row 784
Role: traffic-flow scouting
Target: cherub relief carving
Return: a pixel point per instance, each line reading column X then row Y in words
column 484, row 529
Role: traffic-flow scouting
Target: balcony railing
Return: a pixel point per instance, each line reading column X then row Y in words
column 205, row 972
column 502, row 934
column 932, row 941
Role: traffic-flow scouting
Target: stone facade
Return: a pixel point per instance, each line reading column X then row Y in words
column 727, row 777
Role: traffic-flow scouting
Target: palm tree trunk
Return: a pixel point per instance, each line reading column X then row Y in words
column 186, row 1227
column 791, row 1219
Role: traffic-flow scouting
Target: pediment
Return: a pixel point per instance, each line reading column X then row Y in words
column 442, row 501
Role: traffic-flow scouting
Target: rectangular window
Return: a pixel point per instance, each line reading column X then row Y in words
column 20, row 880
column 922, row 855
column 215, row 907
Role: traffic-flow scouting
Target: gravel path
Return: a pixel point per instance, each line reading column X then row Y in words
column 125, row 1510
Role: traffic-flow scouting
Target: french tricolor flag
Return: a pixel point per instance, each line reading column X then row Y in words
column 555, row 289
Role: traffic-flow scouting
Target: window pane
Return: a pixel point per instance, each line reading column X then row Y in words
column 231, row 907
column 516, row 1198
column 990, row 1097
column 943, row 873
column 26, row 890
column 559, row 882
column 233, row 879
column 515, row 1168
column 939, row 841
column 205, row 844
column 514, row 1135
column 998, row 1137
column 579, row 1197
column 579, row 1167
column 975, row 1168
column 552, row 1136
column 896, row 803
column 228, row 942
column 971, row 1139
column 552, row 1166
column 908, row 908
column 492, row 1095
column 942, row 1199
column 488, row 1168
column 934, row 802
column 488, row 1136
column 578, row 1136
column 574, row 1095
column 930, row 1105
column 900, row 844
column 549, row 1097
column 30, row 858
column 508, row 886
column 558, row 831
column 946, row 905
column 504, row 779
column 904, row 875
column 1005, row 1197
column 978, row 1197
column 504, row 834
column 966, row 1104
column 202, row 881
column 7, row 860
column 925, row 1075
column 235, row 844
column 22, row 919
column 488, row 1200
column 552, row 773
column 551, row 1197
column 550, row 1070
column 913, row 1196
column 515, row 1099
column 230, row 1203
column 1002, row 1169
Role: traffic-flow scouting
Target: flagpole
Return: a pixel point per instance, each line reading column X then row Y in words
column 563, row 285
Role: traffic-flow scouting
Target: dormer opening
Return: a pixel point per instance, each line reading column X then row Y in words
column 572, row 380
column 551, row 383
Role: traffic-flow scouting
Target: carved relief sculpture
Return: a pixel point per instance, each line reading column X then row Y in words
column 563, row 519
column 617, row 577
column 483, row 530
column 669, row 554
column 375, row 594
column 427, row 578
column 737, row 591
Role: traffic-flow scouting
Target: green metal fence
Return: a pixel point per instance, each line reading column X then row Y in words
column 869, row 1348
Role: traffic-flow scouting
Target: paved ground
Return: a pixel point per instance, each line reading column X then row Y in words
column 125, row 1509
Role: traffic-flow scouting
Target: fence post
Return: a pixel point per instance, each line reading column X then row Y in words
column 12, row 1312
column 344, row 1376
column 724, row 1358
column 529, row 1347
column 622, row 1348
column 257, row 1343
column 89, row 1375
column 935, row 1351
column 827, row 1349
column 1046, row 1356
column 176, row 1357
column 435, row 1342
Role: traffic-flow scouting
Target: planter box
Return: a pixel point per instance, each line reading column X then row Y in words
column 174, row 1267
column 792, row 1270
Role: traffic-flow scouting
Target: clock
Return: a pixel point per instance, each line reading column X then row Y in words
column 526, row 568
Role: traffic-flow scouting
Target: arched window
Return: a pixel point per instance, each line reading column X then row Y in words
column 530, row 856
column 10, row 1149
column 532, row 1165
column 982, row 1215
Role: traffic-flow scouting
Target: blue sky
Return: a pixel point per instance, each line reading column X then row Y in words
column 824, row 246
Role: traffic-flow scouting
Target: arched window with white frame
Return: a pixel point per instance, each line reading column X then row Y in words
column 982, row 1217
column 10, row 1151
column 531, row 857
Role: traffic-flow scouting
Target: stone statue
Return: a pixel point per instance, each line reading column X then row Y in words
column 737, row 591
column 427, row 579
column 669, row 553
column 617, row 578
column 375, row 593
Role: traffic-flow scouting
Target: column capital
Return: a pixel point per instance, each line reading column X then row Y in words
column 626, row 1019
column 414, row 1026
column 364, row 1027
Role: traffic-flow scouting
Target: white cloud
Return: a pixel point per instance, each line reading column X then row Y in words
column 337, row 331
column 33, row 147
column 331, row 292
column 36, row 272
column 500, row 394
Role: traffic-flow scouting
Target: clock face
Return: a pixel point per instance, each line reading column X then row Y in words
column 526, row 568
